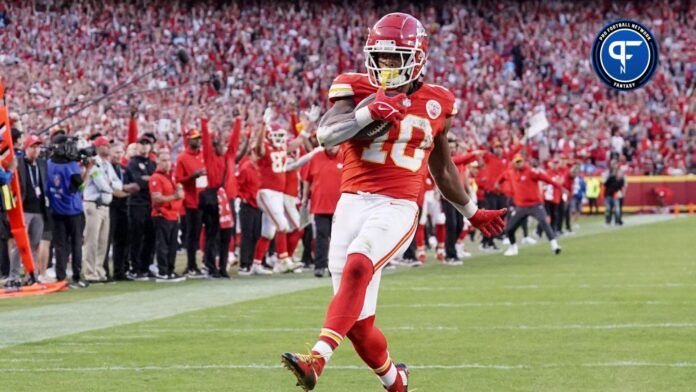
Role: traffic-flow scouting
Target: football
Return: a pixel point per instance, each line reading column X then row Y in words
column 374, row 129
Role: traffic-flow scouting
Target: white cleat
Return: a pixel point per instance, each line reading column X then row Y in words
column 464, row 254
column 258, row 269
column 528, row 241
column 511, row 251
column 453, row 262
column 506, row 241
column 555, row 248
column 286, row 265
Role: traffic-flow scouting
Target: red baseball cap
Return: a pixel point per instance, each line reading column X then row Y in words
column 101, row 141
column 32, row 140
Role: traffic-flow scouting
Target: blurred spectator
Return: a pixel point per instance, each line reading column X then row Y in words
column 254, row 55
column 579, row 188
column 594, row 187
column 613, row 193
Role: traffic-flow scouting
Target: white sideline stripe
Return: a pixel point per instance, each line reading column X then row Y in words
column 52, row 321
column 578, row 274
column 667, row 285
column 440, row 328
column 502, row 304
column 347, row 367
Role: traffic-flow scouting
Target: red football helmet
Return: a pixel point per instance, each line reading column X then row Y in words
column 276, row 135
column 401, row 34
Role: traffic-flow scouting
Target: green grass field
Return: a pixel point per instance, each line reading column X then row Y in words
column 615, row 311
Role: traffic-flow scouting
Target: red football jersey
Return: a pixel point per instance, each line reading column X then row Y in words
column 272, row 168
column 393, row 164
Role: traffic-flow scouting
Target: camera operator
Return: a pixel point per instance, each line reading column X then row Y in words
column 64, row 183
column 99, row 192
column 139, row 169
column 31, row 171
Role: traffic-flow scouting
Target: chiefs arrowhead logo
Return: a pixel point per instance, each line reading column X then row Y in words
column 433, row 108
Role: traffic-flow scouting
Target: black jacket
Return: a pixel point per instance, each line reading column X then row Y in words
column 612, row 185
column 138, row 167
column 22, row 172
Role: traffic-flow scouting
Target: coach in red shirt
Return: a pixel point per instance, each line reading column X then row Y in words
column 524, row 182
column 166, row 198
column 323, row 180
column 248, row 183
column 190, row 172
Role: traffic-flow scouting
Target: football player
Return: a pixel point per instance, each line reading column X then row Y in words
column 271, row 148
column 377, row 215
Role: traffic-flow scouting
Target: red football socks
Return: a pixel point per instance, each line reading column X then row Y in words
column 345, row 306
column 440, row 233
column 281, row 243
column 261, row 249
column 369, row 343
column 294, row 239
column 420, row 236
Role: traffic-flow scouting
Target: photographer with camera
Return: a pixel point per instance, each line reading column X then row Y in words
column 66, row 173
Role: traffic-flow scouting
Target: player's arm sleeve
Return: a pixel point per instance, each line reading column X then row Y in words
column 342, row 122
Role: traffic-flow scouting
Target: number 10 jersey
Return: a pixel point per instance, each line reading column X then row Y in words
column 395, row 163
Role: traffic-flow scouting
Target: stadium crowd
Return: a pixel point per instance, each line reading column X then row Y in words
column 251, row 62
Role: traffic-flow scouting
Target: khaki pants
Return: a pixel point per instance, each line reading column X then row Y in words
column 96, row 240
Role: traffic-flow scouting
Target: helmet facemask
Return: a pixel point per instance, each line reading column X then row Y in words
column 278, row 137
column 411, row 65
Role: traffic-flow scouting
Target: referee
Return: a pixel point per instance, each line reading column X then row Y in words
column 528, row 201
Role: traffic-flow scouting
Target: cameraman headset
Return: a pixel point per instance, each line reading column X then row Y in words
column 67, row 171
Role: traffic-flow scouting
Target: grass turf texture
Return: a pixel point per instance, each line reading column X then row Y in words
column 615, row 311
